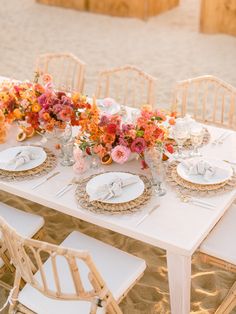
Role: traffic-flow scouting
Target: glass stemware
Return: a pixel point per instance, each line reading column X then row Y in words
column 180, row 134
column 67, row 145
column 196, row 136
column 153, row 158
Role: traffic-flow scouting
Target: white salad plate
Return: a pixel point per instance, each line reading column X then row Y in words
column 223, row 172
column 9, row 154
column 129, row 192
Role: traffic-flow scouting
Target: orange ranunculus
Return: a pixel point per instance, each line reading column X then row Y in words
column 108, row 138
column 36, row 107
column 75, row 97
column 17, row 113
column 46, row 116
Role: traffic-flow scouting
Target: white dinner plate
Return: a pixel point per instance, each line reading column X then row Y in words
column 10, row 153
column 129, row 192
column 223, row 173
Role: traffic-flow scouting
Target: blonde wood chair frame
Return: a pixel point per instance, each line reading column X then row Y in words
column 125, row 90
column 26, row 256
column 213, row 101
column 68, row 71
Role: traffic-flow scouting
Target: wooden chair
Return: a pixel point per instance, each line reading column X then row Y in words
column 27, row 224
column 66, row 69
column 69, row 274
column 219, row 249
column 128, row 85
column 208, row 99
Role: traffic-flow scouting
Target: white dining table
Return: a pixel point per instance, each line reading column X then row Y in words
column 175, row 226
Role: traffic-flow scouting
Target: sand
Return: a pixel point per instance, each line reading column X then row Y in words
column 168, row 47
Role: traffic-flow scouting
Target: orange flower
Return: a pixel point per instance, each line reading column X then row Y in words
column 108, row 138
column 17, row 113
column 36, row 107
column 46, row 116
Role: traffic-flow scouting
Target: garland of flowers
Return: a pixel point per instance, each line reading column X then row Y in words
column 107, row 135
column 40, row 106
column 43, row 109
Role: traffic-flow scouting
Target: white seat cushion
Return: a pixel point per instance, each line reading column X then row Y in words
column 221, row 241
column 118, row 269
column 26, row 224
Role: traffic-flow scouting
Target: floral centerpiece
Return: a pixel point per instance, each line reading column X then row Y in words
column 108, row 137
column 39, row 106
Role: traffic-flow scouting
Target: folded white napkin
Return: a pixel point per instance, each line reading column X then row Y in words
column 112, row 189
column 199, row 167
column 23, row 157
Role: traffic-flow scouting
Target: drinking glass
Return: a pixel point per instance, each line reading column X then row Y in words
column 67, row 153
column 196, row 136
column 153, row 158
column 180, row 134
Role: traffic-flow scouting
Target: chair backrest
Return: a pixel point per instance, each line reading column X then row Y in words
column 66, row 69
column 208, row 99
column 28, row 255
column 128, row 85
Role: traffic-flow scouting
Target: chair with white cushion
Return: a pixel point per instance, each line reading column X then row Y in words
column 27, row 224
column 82, row 275
column 219, row 249
column 128, row 85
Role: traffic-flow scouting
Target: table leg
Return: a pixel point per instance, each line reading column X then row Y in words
column 179, row 275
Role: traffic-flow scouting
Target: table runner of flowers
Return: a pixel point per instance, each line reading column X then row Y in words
column 43, row 108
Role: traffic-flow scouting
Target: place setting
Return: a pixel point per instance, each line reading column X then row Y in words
column 26, row 162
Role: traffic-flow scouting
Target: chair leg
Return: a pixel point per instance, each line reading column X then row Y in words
column 229, row 302
column 16, row 287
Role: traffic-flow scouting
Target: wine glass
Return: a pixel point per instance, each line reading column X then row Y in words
column 180, row 134
column 196, row 137
column 153, row 158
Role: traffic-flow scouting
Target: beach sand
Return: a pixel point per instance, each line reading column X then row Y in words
column 168, row 47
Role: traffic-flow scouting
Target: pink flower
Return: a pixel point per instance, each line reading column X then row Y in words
column 120, row 154
column 107, row 102
column 65, row 114
column 80, row 166
column 138, row 146
column 47, row 78
column 77, row 154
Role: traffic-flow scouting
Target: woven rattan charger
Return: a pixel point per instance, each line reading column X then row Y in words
column 184, row 186
column 47, row 166
column 113, row 209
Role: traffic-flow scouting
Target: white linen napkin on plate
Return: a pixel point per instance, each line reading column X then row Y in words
column 21, row 158
column 199, row 167
column 112, row 189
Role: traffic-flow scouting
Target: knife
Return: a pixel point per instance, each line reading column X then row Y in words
column 45, row 180
column 147, row 214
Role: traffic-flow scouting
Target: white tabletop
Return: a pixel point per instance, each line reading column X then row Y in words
column 175, row 226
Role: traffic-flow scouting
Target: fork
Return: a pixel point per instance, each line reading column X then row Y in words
column 66, row 188
column 189, row 199
column 219, row 138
